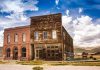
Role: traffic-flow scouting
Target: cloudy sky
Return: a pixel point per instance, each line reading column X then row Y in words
column 81, row 18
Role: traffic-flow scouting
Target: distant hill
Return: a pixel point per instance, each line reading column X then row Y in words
column 94, row 50
column 79, row 50
column 88, row 50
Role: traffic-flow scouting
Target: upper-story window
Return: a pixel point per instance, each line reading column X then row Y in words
column 54, row 34
column 8, row 38
column 35, row 35
column 64, row 35
column 23, row 37
column 45, row 35
column 16, row 38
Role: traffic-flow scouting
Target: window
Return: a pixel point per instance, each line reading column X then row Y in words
column 8, row 52
column 23, row 37
column 16, row 38
column 15, row 53
column 44, row 35
column 48, row 46
column 56, row 46
column 37, row 53
column 23, row 52
column 48, row 52
column 35, row 35
column 52, row 46
column 64, row 35
column 8, row 38
column 54, row 34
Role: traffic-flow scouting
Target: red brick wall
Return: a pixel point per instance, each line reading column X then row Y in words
column 19, row 44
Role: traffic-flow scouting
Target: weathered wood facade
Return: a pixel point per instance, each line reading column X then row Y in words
column 53, row 49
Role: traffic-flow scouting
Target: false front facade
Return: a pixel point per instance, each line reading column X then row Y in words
column 49, row 38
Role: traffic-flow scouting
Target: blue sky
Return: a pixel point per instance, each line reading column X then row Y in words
column 81, row 18
column 90, row 7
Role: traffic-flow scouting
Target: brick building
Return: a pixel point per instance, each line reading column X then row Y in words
column 45, row 38
column 17, row 43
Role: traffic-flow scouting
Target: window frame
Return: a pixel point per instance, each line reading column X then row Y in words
column 16, row 38
column 8, row 51
column 8, row 38
column 24, row 37
column 45, row 34
column 54, row 34
column 36, row 35
column 23, row 52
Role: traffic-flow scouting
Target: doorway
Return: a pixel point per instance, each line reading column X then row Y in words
column 15, row 53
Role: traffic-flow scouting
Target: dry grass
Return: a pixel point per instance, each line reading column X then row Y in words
column 97, row 56
column 80, row 57
column 1, row 62
column 30, row 62
column 57, row 63
column 78, row 61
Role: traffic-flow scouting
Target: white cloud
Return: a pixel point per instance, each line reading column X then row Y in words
column 30, row 5
column 84, row 31
column 56, row 1
column 66, row 20
column 67, row 12
column 97, row 21
column 17, row 17
column 1, row 38
column 80, row 10
column 85, row 20
column 18, row 6
column 12, row 6
column 67, row 23
column 7, row 23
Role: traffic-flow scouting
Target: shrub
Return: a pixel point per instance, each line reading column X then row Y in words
column 38, row 68
column 30, row 62
column 94, row 58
